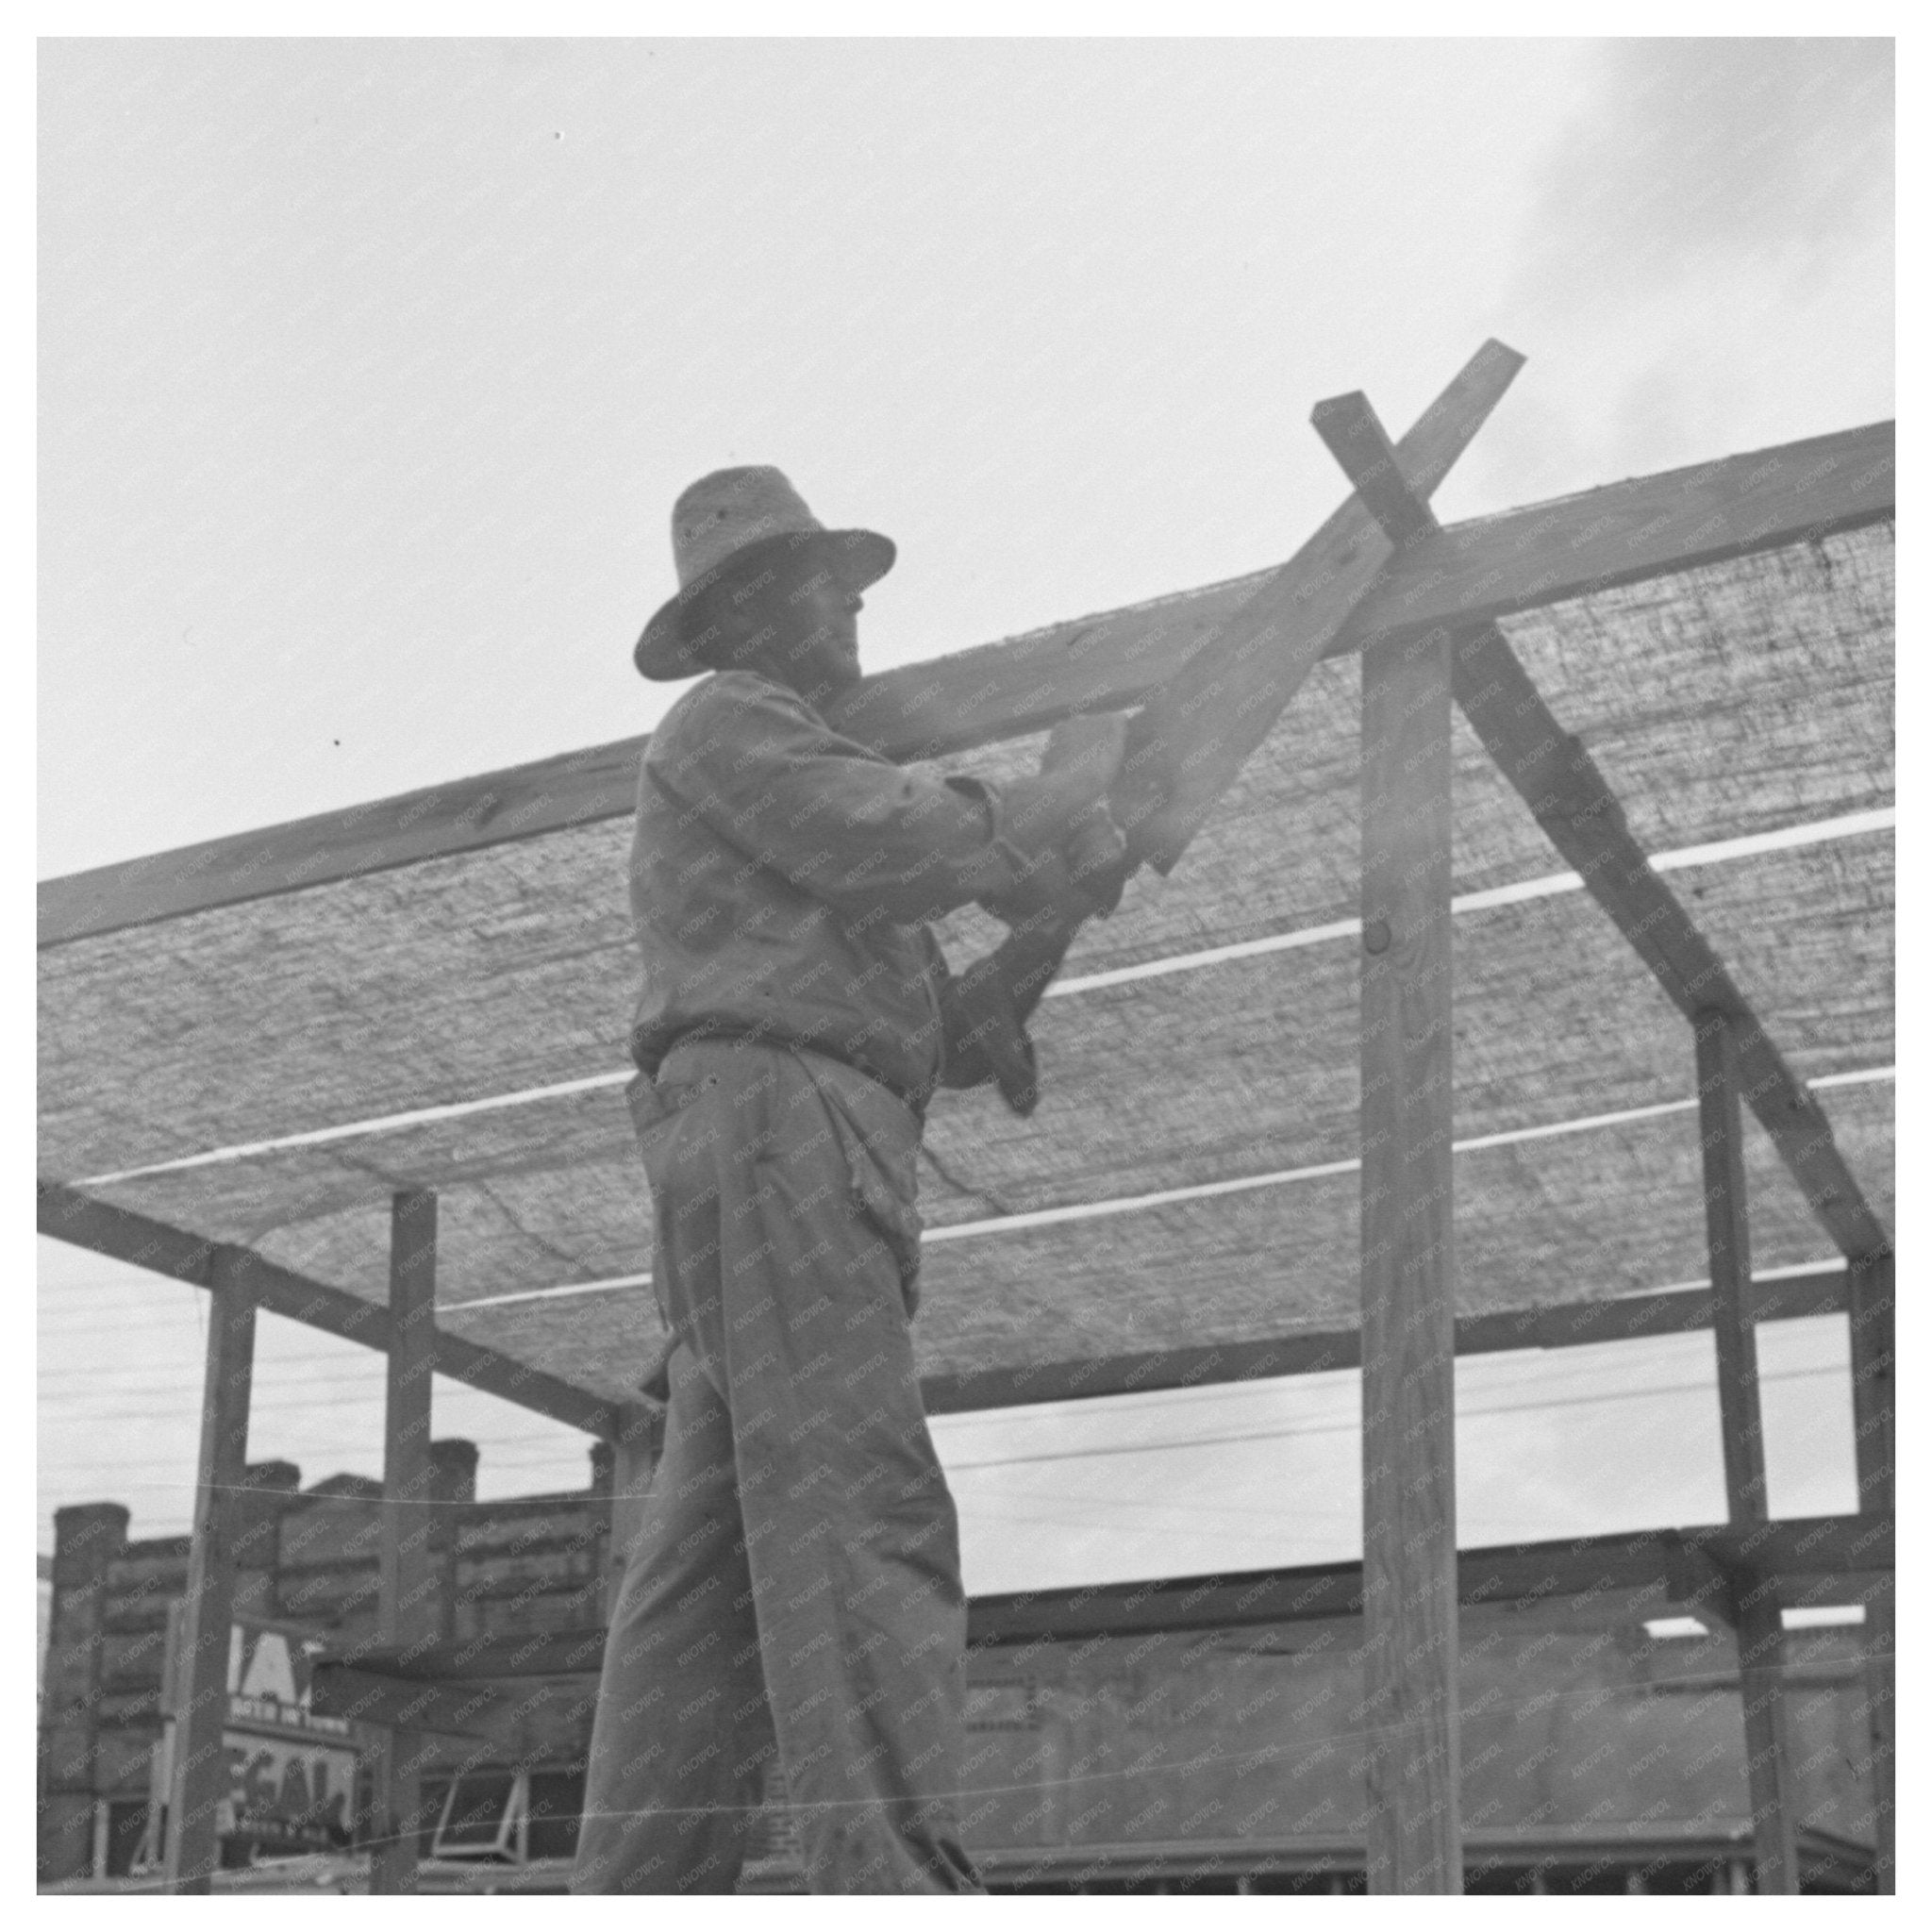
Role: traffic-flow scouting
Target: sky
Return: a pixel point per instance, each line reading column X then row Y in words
column 369, row 372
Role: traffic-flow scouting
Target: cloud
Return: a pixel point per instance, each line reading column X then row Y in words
column 1695, row 151
column 1706, row 265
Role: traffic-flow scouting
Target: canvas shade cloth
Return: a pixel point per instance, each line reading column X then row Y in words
column 1727, row 705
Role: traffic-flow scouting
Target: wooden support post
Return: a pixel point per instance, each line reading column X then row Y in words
column 1760, row 1627
column 199, row 1780
column 1870, row 1315
column 406, row 1608
column 1408, row 1303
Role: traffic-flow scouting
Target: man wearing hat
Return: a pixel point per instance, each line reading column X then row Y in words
column 795, row 1585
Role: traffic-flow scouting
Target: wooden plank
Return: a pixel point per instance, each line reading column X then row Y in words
column 1871, row 1288
column 1562, row 1325
column 1560, row 783
column 200, row 1763
column 1667, row 1569
column 1408, row 1319
column 464, row 815
column 1760, row 1627
column 1721, row 1133
column 1647, row 1572
column 408, row 1610
column 1190, row 742
column 67, row 1214
column 1626, row 532
column 407, row 1613
column 125, row 1235
column 1109, row 660
column 1804, row 1559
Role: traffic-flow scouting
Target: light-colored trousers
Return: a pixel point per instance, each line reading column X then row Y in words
column 795, row 1583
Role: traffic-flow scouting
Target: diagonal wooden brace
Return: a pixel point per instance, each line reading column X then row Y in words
column 1575, row 806
column 1190, row 742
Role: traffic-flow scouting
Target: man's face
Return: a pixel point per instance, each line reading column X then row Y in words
column 821, row 647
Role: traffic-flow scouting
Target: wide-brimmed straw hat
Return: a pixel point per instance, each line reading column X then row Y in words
column 726, row 525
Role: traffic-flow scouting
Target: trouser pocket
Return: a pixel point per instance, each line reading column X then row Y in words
column 878, row 1136
column 656, row 1108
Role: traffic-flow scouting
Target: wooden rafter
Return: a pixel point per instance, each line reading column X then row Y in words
column 1188, row 743
column 1827, row 1559
column 125, row 1236
column 68, row 1215
column 1562, row 1325
column 1802, row 1561
column 1650, row 526
column 1574, row 804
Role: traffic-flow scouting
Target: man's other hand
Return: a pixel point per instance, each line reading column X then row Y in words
column 1081, row 759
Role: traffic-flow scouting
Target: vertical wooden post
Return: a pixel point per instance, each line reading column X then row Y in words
column 406, row 1608
column 199, row 1781
column 1760, row 1627
column 1872, row 1286
column 1408, row 1314
column 1408, row 1273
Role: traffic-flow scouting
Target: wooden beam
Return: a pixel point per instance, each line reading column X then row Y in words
column 406, row 1607
column 1652, row 1571
column 1758, row 1625
column 199, row 1782
column 1560, row 783
column 1646, row 1572
column 408, row 1610
column 1803, row 1561
column 1110, row 660
column 1721, row 1133
column 1872, row 1285
column 1562, row 1325
column 1872, row 1291
column 67, row 1214
column 464, row 815
column 1407, row 1267
column 1626, row 532
column 1190, row 742
column 125, row 1235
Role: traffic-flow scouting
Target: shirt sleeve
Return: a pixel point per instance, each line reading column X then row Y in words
column 757, row 765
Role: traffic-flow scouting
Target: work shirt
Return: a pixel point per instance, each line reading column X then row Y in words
column 781, row 878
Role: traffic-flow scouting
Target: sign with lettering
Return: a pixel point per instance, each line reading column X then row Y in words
column 292, row 1773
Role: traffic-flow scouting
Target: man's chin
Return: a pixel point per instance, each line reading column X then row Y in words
column 842, row 672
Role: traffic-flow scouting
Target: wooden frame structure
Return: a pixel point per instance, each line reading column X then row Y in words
column 1419, row 602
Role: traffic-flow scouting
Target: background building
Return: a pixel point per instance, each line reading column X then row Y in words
column 1194, row 1734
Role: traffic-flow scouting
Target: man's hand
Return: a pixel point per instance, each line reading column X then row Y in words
column 1081, row 761
column 1068, row 854
column 1096, row 860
